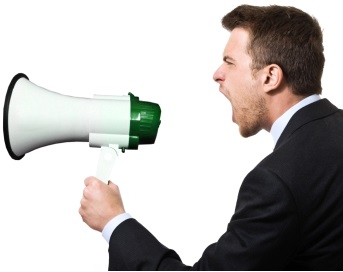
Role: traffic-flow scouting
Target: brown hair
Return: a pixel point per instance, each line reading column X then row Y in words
column 285, row 36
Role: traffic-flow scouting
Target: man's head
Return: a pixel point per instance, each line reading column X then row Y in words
column 274, row 58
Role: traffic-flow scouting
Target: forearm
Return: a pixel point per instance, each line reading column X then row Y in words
column 133, row 247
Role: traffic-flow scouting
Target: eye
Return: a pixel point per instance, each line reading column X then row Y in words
column 228, row 60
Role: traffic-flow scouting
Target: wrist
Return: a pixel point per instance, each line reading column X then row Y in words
column 113, row 224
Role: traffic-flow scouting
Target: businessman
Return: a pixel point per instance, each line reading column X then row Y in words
column 289, row 211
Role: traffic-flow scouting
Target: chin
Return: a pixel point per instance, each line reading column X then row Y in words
column 247, row 132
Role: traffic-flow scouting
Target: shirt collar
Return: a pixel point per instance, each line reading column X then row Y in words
column 280, row 123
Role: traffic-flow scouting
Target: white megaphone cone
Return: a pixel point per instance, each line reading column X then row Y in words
column 35, row 117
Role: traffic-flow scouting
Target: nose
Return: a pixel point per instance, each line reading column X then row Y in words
column 219, row 75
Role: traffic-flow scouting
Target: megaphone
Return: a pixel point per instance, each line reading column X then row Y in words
column 35, row 117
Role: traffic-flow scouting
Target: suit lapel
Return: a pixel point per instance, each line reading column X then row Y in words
column 311, row 112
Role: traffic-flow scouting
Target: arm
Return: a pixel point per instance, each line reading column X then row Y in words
column 99, row 206
column 262, row 234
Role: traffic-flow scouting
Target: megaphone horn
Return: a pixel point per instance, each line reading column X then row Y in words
column 35, row 117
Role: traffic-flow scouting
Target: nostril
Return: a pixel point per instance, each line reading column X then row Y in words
column 218, row 76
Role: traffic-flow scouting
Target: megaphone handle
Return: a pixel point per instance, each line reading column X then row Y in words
column 107, row 158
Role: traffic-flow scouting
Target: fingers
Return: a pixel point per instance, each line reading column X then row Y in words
column 100, row 203
column 83, row 209
column 93, row 180
column 92, row 184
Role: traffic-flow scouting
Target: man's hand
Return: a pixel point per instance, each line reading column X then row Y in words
column 100, row 203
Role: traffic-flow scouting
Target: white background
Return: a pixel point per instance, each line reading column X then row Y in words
column 184, row 187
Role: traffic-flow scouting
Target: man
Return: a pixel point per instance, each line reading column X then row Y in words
column 289, row 211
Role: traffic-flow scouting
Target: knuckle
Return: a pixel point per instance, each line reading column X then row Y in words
column 86, row 192
column 83, row 203
column 96, row 183
column 82, row 213
column 91, row 181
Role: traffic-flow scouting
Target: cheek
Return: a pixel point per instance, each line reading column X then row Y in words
column 235, row 85
column 239, row 89
column 237, row 92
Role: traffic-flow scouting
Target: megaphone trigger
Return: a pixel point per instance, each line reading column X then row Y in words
column 107, row 158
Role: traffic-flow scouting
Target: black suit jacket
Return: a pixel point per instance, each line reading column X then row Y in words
column 289, row 212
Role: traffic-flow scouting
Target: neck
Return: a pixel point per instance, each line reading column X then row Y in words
column 279, row 103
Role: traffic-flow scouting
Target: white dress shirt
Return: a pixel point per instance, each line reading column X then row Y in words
column 280, row 123
column 276, row 130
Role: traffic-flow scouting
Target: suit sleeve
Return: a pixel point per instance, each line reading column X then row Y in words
column 262, row 234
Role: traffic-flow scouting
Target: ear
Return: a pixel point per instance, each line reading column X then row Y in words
column 272, row 77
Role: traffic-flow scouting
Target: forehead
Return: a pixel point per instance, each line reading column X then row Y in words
column 237, row 43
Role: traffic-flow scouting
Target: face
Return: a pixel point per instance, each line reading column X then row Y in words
column 240, row 86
